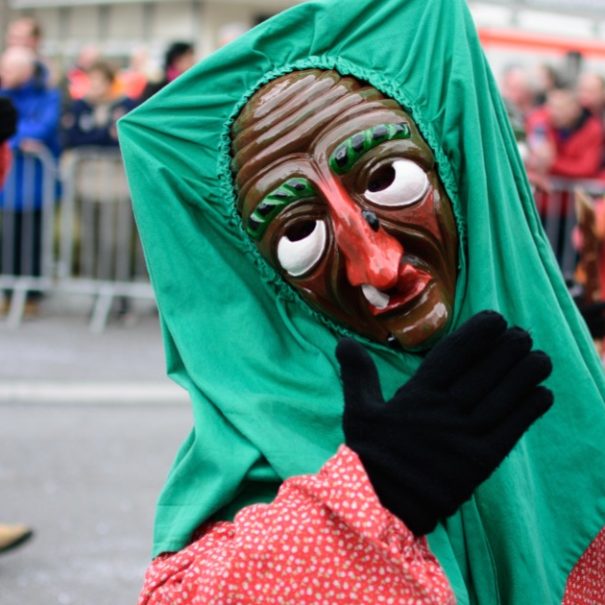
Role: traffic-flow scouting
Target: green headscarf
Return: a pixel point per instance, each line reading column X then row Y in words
column 259, row 363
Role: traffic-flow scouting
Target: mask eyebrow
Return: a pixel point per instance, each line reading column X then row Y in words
column 293, row 190
column 344, row 157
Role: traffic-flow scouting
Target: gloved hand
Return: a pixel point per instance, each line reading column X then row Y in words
column 8, row 119
column 446, row 430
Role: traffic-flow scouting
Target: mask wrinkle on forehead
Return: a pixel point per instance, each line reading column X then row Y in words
column 279, row 95
column 247, row 161
column 283, row 90
column 289, row 112
column 291, row 124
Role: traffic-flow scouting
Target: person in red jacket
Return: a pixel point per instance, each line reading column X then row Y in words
column 565, row 139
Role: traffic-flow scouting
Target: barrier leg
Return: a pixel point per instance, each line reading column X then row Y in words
column 15, row 313
column 100, row 313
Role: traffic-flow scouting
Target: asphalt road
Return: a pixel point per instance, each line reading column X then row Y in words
column 60, row 347
column 89, row 425
column 86, row 478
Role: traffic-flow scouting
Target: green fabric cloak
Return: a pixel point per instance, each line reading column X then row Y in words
column 259, row 363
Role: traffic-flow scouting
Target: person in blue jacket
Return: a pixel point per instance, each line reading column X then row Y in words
column 91, row 121
column 37, row 136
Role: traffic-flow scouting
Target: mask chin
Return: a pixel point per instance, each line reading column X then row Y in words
column 421, row 333
column 403, row 343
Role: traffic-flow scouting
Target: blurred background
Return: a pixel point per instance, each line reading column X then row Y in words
column 89, row 424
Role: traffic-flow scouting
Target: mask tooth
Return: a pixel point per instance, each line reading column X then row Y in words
column 375, row 297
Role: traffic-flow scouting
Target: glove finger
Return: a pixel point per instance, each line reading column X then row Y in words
column 361, row 385
column 482, row 422
column 504, row 437
column 477, row 456
column 474, row 385
column 460, row 350
column 517, row 385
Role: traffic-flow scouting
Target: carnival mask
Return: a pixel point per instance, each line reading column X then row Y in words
column 341, row 195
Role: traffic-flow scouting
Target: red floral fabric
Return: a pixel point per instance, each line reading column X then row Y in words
column 586, row 583
column 324, row 540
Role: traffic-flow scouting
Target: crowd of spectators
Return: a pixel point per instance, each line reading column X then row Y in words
column 81, row 106
column 57, row 113
column 43, row 114
column 561, row 123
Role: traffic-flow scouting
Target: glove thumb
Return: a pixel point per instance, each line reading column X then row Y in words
column 361, row 385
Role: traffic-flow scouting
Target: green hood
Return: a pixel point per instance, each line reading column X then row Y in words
column 259, row 363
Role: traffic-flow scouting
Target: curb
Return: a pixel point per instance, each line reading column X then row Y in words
column 91, row 393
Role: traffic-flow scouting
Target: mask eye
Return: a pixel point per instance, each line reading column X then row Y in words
column 301, row 248
column 398, row 184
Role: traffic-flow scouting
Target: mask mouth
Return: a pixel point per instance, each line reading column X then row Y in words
column 411, row 283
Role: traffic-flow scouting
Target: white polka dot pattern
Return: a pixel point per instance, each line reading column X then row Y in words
column 324, row 540
column 586, row 584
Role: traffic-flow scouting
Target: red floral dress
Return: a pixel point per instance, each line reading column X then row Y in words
column 324, row 540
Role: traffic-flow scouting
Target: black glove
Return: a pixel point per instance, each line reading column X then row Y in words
column 8, row 119
column 446, row 430
column 594, row 316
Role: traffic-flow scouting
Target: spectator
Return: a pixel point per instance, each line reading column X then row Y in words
column 92, row 121
column 37, row 128
column 179, row 57
column 8, row 127
column 231, row 31
column 37, row 106
column 517, row 91
column 133, row 80
column 11, row 535
column 574, row 135
column 546, row 78
column 591, row 94
column 78, row 81
column 26, row 32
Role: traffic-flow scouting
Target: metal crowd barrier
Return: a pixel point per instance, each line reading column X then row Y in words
column 26, row 225
column 89, row 246
column 84, row 240
column 99, row 250
column 557, row 212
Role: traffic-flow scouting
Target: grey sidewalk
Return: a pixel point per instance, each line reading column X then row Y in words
column 89, row 425
column 56, row 352
column 86, row 478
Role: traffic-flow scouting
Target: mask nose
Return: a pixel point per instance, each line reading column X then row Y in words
column 371, row 255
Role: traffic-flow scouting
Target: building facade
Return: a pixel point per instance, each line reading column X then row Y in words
column 119, row 27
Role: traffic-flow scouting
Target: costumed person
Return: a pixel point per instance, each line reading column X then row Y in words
column 345, row 174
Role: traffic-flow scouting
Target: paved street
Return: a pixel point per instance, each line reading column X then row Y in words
column 86, row 478
column 59, row 345
column 78, row 462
